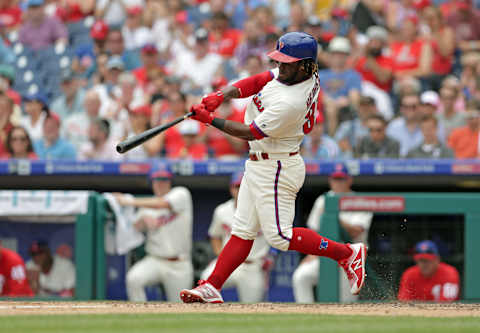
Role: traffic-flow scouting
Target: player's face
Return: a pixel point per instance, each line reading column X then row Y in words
column 161, row 187
column 289, row 72
column 340, row 185
column 428, row 267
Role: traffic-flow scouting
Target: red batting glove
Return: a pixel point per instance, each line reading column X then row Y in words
column 201, row 114
column 213, row 100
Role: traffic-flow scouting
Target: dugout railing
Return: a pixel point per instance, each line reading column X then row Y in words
column 466, row 204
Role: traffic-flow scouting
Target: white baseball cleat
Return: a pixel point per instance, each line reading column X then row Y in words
column 354, row 266
column 203, row 293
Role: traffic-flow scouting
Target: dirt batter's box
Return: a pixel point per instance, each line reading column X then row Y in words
column 466, row 205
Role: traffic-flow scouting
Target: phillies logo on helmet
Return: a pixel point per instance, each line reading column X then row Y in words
column 280, row 45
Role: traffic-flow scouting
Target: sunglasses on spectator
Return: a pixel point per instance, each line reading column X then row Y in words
column 375, row 129
column 19, row 138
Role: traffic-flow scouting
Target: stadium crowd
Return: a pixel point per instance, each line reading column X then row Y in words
column 399, row 77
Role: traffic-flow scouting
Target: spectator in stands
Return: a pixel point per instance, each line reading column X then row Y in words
column 375, row 66
column 72, row 11
column 7, row 79
column 429, row 104
column 442, row 40
column 99, row 147
column 431, row 147
column 412, row 56
column 465, row 21
column 113, row 12
column 115, row 45
column 448, row 115
column 206, row 64
column 223, row 40
column 318, row 145
column 106, row 89
column 36, row 109
column 464, row 140
column 253, row 43
column 134, row 33
column 350, row 132
column 139, row 120
column 50, row 275
column 7, row 56
column 71, row 99
column 377, row 144
column 19, row 144
column 341, row 85
column 151, row 68
column 13, row 274
column 6, row 111
column 39, row 31
column 52, row 146
column 192, row 148
column 430, row 279
column 75, row 126
column 10, row 14
column 406, row 129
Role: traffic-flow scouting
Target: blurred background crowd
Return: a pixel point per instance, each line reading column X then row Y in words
column 399, row 77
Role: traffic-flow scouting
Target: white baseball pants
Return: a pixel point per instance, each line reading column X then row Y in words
column 174, row 275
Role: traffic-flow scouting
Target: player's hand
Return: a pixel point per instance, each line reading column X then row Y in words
column 201, row 114
column 213, row 100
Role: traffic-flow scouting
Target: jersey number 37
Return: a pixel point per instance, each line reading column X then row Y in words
column 310, row 118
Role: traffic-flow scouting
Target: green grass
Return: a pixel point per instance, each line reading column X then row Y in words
column 225, row 323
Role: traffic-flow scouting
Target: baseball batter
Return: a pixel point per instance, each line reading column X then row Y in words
column 356, row 225
column 281, row 112
column 167, row 220
column 249, row 278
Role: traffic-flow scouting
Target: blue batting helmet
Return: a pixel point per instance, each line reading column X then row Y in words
column 295, row 46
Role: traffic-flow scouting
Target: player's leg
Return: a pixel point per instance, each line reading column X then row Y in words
column 209, row 270
column 178, row 275
column 144, row 273
column 250, row 282
column 304, row 279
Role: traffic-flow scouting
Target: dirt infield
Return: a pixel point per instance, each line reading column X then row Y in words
column 383, row 309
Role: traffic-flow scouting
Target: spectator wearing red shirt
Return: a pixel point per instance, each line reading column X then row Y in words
column 222, row 39
column 19, row 144
column 74, row 10
column 375, row 66
column 10, row 14
column 6, row 110
column 13, row 276
column 465, row 21
column 192, row 148
column 411, row 55
column 464, row 140
column 151, row 68
column 430, row 279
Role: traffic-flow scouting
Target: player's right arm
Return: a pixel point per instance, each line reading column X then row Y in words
column 406, row 292
column 16, row 283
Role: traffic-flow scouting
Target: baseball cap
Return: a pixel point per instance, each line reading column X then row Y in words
column 189, row 127
column 294, row 46
column 340, row 172
column 339, row 44
column 38, row 247
column 149, row 48
column 426, row 250
column 430, row 97
column 201, row 35
column 134, row 10
column 115, row 62
column 99, row 30
column 421, row 4
column 35, row 3
column 67, row 75
column 236, row 179
column 54, row 116
column 161, row 175
column 463, row 4
column 39, row 97
column 144, row 110
column 377, row 32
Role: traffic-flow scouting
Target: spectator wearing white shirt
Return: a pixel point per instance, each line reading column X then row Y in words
column 99, row 146
column 114, row 12
column 36, row 109
column 134, row 33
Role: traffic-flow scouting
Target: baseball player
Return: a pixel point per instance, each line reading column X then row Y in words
column 430, row 279
column 167, row 220
column 281, row 112
column 13, row 277
column 249, row 278
column 355, row 224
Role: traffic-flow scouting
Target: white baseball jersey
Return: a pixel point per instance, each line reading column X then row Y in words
column 61, row 276
column 221, row 227
column 282, row 114
column 172, row 235
column 362, row 219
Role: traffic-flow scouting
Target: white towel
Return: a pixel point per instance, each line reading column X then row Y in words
column 126, row 236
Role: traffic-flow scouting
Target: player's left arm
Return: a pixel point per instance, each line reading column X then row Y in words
column 152, row 202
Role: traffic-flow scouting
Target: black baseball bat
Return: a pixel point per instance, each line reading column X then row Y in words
column 138, row 139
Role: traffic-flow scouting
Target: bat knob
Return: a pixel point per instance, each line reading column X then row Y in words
column 120, row 149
